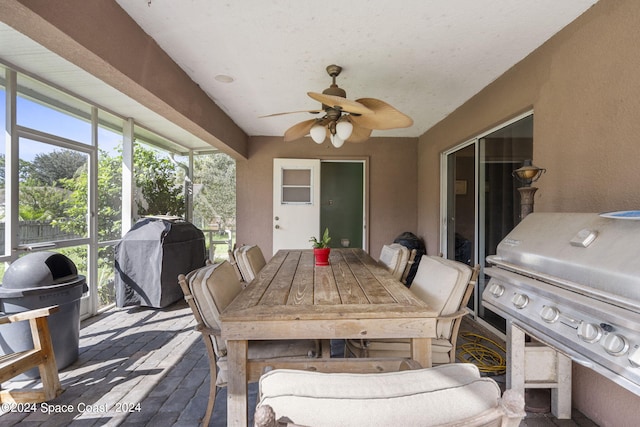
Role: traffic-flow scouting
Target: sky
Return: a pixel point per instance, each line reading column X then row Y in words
column 44, row 119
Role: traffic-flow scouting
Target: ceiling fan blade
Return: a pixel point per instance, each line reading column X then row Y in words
column 299, row 130
column 384, row 116
column 292, row 112
column 340, row 103
column 359, row 133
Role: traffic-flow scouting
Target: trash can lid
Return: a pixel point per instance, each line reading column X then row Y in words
column 39, row 269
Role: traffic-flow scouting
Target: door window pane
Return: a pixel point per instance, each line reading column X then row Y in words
column 461, row 201
column 483, row 204
column 296, row 186
column 501, row 152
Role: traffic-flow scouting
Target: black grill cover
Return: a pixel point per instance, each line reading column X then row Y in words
column 150, row 257
column 412, row 241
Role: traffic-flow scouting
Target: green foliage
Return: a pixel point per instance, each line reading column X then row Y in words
column 74, row 217
column 109, row 196
column 54, row 188
column 214, row 190
column 156, row 179
column 322, row 243
column 51, row 168
column 109, row 199
column 41, row 203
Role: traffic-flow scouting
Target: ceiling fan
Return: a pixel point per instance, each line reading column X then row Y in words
column 345, row 120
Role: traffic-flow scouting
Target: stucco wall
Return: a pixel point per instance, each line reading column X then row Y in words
column 392, row 180
column 584, row 88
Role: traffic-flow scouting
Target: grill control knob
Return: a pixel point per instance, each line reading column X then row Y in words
column 520, row 300
column 634, row 357
column 496, row 290
column 589, row 332
column 549, row 314
column 615, row 344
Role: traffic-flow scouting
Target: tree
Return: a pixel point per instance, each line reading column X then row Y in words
column 157, row 179
column 109, row 198
column 216, row 200
column 41, row 203
column 50, row 168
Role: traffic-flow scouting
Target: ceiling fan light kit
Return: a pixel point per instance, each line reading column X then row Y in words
column 317, row 133
column 336, row 141
column 344, row 129
column 345, row 120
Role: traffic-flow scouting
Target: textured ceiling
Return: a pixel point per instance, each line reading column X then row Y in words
column 425, row 57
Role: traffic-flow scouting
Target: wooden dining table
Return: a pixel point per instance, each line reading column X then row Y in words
column 292, row 298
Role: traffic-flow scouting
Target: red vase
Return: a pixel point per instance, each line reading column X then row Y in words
column 322, row 255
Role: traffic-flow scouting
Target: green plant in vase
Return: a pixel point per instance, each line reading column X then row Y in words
column 321, row 248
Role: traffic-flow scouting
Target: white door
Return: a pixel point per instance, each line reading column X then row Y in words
column 296, row 203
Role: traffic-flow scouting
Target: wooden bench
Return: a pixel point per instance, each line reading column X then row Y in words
column 41, row 356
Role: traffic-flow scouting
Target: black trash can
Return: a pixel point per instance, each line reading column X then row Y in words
column 39, row 280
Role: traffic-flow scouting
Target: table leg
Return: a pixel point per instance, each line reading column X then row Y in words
column 237, row 405
column 421, row 351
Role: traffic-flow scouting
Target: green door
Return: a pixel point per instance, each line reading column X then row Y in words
column 341, row 198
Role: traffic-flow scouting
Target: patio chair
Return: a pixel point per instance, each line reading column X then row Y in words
column 208, row 291
column 394, row 257
column 445, row 285
column 234, row 263
column 41, row 356
column 410, row 262
column 447, row 395
column 250, row 261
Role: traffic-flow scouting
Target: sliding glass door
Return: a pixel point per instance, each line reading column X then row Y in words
column 481, row 201
column 461, row 206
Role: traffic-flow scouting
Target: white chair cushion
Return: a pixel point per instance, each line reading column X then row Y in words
column 254, row 261
column 441, row 283
column 213, row 288
column 394, row 258
column 240, row 262
column 250, row 261
column 374, row 385
column 424, row 397
column 234, row 263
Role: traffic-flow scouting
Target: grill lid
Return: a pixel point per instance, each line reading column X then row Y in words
column 585, row 252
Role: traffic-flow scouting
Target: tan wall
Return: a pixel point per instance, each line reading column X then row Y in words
column 392, row 180
column 584, row 88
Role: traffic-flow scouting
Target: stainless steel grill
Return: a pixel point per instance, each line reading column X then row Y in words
column 572, row 281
